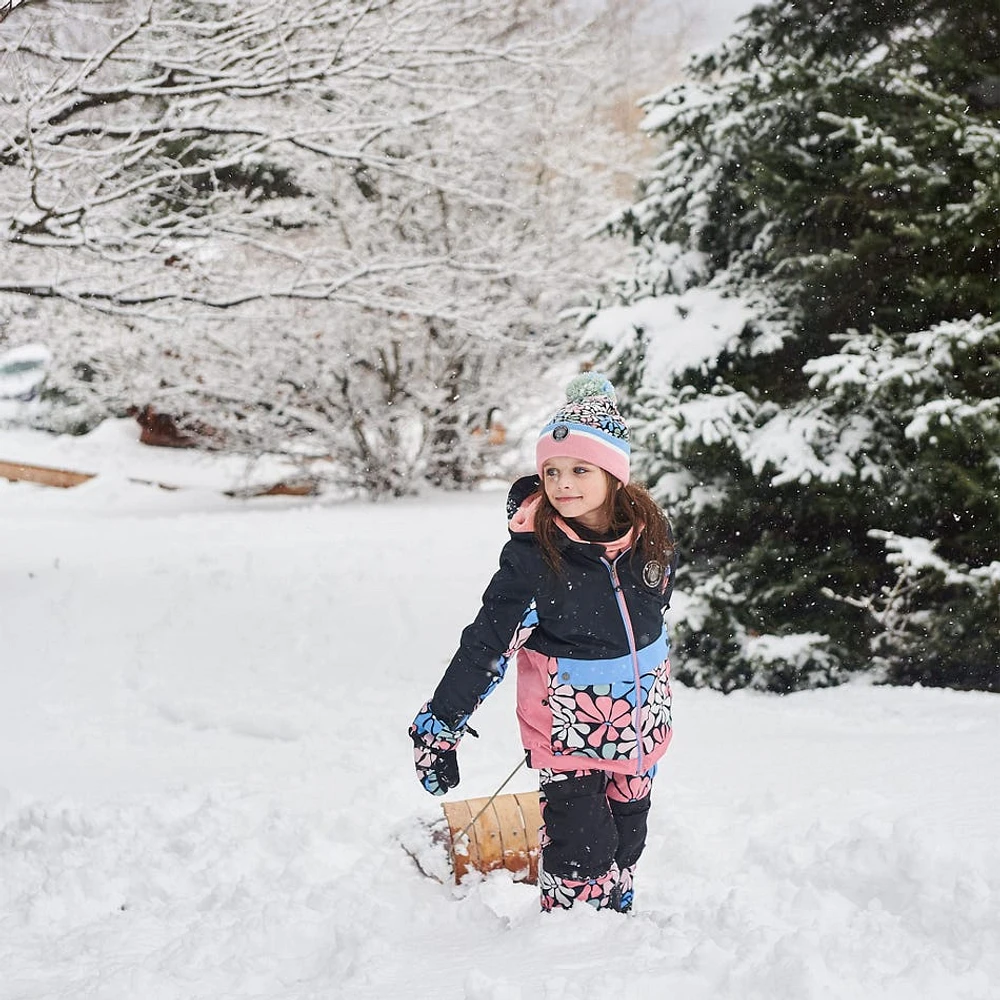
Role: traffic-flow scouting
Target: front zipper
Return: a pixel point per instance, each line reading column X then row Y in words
column 630, row 635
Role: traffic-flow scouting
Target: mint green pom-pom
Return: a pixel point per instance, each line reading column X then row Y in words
column 589, row 384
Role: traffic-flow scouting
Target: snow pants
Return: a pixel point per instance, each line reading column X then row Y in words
column 593, row 832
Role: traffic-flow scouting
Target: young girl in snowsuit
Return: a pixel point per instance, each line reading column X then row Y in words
column 579, row 597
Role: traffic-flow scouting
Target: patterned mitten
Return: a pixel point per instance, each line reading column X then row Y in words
column 434, row 751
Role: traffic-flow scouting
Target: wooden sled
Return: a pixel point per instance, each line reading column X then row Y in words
column 501, row 834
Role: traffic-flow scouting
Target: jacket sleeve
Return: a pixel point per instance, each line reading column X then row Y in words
column 504, row 622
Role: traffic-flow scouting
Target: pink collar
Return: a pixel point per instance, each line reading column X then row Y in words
column 524, row 521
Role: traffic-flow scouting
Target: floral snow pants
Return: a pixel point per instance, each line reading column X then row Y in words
column 593, row 832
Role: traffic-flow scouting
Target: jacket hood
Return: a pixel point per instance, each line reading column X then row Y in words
column 523, row 521
column 525, row 494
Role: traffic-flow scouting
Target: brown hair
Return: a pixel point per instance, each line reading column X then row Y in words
column 627, row 505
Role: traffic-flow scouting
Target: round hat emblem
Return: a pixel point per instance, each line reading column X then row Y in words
column 560, row 432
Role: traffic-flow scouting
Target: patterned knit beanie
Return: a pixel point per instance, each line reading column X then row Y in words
column 588, row 427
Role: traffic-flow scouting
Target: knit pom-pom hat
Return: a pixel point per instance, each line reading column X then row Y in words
column 588, row 427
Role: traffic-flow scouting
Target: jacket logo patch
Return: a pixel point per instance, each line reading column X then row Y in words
column 652, row 573
column 560, row 432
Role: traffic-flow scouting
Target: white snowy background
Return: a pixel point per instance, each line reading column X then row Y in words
column 205, row 775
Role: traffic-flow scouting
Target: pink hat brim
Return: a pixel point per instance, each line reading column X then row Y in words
column 588, row 445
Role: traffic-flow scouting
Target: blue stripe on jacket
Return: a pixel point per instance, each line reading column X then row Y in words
column 616, row 671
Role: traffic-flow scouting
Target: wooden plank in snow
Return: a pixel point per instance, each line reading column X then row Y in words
column 43, row 474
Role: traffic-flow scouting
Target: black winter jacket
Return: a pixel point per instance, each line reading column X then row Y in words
column 595, row 631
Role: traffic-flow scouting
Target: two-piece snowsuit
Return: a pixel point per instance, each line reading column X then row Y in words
column 593, row 694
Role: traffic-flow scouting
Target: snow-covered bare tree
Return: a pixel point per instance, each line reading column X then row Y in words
column 7, row 6
column 338, row 227
column 811, row 339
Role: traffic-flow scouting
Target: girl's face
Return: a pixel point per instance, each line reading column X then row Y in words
column 576, row 489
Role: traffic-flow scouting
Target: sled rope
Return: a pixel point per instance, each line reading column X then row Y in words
column 489, row 801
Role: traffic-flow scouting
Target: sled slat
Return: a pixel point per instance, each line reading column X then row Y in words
column 459, row 817
column 531, row 820
column 513, row 837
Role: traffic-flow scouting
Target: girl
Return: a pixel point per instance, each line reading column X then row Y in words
column 579, row 597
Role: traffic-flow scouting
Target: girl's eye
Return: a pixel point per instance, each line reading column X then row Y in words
column 580, row 470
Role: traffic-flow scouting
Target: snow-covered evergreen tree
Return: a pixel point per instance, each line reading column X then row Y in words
column 811, row 343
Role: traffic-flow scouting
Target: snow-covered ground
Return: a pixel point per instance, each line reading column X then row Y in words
column 205, row 774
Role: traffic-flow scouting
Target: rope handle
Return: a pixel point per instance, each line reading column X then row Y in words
column 489, row 801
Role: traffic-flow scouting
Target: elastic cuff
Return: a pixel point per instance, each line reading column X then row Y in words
column 453, row 720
